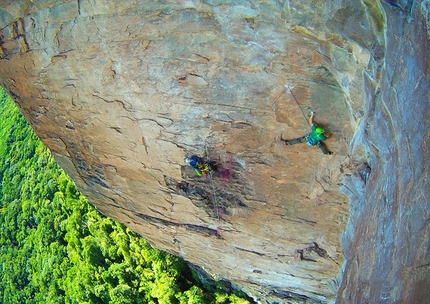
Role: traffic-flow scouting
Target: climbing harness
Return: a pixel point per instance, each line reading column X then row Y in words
column 311, row 142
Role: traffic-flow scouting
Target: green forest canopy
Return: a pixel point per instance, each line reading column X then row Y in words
column 57, row 248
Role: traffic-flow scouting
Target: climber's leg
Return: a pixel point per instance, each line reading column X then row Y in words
column 324, row 148
column 294, row 141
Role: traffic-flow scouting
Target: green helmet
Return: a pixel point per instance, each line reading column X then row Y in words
column 319, row 130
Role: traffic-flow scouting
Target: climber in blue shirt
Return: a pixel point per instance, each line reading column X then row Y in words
column 199, row 165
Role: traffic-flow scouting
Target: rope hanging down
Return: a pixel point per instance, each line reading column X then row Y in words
column 295, row 99
column 214, row 199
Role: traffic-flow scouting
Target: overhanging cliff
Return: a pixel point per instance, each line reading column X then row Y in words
column 122, row 93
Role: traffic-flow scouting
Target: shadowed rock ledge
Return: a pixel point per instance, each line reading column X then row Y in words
column 122, row 93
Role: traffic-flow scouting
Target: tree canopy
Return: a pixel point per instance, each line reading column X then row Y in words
column 55, row 247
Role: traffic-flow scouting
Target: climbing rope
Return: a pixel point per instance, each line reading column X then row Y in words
column 295, row 99
column 214, row 198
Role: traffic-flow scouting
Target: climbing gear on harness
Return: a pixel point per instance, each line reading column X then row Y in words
column 205, row 168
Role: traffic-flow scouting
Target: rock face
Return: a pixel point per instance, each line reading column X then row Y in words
column 122, row 93
column 386, row 244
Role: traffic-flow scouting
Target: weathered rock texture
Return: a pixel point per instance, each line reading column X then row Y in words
column 122, row 92
column 387, row 241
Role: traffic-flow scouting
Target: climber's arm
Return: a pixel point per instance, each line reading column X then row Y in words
column 311, row 118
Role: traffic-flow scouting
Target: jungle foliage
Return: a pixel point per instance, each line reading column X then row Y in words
column 55, row 247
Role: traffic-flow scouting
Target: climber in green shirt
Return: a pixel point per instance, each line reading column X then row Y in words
column 315, row 138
